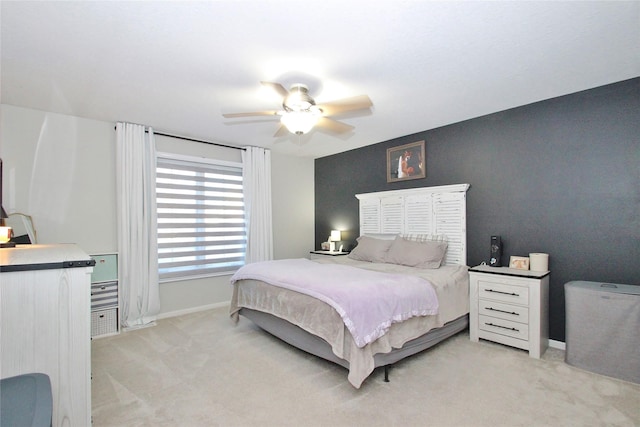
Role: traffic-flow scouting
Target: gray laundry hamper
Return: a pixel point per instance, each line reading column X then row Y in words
column 603, row 328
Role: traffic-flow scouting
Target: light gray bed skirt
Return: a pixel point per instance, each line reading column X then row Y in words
column 312, row 344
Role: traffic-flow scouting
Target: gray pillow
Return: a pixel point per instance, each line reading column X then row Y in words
column 426, row 254
column 370, row 249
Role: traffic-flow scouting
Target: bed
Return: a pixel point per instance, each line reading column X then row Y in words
column 317, row 325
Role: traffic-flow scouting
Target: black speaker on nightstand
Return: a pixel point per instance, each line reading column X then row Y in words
column 496, row 252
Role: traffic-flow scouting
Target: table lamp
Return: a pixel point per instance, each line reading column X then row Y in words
column 335, row 237
column 5, row 236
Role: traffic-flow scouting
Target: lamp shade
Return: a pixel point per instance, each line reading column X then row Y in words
column 5, row 234
column 299, row 122
column 336, row 235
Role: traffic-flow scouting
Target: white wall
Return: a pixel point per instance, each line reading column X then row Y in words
column 61, row 170
column 293, row 199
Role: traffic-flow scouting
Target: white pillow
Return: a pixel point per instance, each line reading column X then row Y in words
column 370, row 249
column 427, row 254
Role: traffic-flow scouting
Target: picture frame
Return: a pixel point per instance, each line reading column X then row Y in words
column 406, row 162
column 519, row 262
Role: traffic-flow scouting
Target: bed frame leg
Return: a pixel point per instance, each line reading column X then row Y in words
column 386, row 373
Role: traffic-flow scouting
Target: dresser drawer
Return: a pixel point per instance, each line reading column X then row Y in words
column 104, row 322
column 504, row 327
column 503, row 292
column 515, row 313
column 106, row 268
column 103, row 295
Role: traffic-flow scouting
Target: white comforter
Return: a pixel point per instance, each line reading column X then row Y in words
column 451, row 284
column 368, row 301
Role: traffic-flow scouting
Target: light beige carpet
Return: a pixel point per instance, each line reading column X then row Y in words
column 201, row 370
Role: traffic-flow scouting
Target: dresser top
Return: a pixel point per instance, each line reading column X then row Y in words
column 506, row 271
column 38, row 257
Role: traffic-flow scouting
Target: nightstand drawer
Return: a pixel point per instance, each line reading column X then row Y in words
column 504, row 327
column 502, row 292
column 515, row 313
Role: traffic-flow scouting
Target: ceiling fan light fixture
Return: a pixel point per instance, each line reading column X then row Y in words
column 299, row 122
column 298, row 99
column 300, row 114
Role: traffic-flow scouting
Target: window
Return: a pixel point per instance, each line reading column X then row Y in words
column 201, row 224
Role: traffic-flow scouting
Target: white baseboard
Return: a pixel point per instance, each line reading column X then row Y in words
column 557, row 344
column 136, row 327
column 192, row 310
column 110, row 334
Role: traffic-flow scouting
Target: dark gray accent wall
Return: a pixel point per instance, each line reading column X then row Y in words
column 561, row 176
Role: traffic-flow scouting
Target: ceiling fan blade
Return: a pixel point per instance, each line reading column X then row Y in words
column 282, row 131
column 332, row 108
column 333, row 125
column 257, row 113
column 278, row 88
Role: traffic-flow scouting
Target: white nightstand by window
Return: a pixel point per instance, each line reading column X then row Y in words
column 320, row 254
column 510, row 306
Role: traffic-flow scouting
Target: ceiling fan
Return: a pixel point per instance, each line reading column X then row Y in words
column 300, row 113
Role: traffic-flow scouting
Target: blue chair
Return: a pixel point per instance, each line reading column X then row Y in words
column 25, row 401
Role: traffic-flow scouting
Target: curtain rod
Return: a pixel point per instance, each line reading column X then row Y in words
column 195, row 140
column 198, row 140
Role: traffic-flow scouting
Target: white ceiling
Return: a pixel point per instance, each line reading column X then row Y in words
column 177, row 66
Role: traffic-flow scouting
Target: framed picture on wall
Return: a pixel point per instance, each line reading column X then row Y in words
column 406, row 162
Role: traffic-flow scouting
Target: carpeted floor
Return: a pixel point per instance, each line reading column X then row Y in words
column 201, row 370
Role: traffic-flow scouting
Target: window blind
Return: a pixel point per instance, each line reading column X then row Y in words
column 201, row 223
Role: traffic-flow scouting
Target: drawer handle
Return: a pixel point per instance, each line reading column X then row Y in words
column 504, row 293
column 502, row 311
column 503, row 327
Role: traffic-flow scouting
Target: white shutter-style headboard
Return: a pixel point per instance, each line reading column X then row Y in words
column 440, row 210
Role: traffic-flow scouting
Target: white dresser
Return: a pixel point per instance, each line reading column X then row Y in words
column 510, row 306
column 45, row 323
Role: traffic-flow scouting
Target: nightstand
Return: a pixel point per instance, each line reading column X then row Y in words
column 510, row 306
column 320, row 254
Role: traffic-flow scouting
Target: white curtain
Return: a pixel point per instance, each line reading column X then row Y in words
column 137, row 225
column 256, row 180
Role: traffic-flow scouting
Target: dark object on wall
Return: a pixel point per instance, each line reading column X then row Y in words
column 495, row 252
column 406, row 162
column 602, row 326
